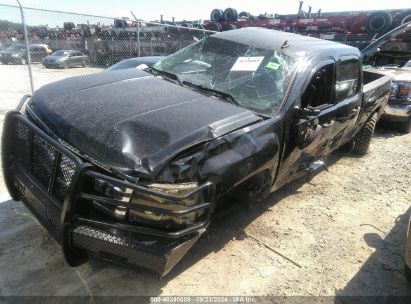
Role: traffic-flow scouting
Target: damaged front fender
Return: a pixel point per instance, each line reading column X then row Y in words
column 229, row 160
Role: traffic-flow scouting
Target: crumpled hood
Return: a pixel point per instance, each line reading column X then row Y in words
column 132, row 121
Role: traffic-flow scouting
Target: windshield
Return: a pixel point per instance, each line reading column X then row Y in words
column 61, row 53
column 256, row 78
column 19, row 48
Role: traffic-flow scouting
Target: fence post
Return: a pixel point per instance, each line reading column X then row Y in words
column 27, row 46
column 138, row 34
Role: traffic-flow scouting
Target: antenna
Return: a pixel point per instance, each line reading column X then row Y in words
column 285, row 45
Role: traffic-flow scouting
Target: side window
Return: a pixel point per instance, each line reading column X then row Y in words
column 348, row 79
column 320, row 89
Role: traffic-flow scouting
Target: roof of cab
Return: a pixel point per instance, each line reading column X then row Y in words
column 298, row 46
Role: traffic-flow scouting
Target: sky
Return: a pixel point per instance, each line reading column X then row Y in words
column 194, row 9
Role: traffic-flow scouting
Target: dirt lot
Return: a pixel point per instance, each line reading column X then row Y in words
column 345, row 228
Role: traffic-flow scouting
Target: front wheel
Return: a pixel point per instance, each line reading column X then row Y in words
column 363, row 138
column 406, row 126
column 254, row 190
column 23, row 61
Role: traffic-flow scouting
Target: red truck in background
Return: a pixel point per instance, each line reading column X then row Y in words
column 354, row 28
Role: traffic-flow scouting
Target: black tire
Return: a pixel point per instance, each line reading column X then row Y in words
column 363, row 138
column 214, row 26
column 230, row 14
column 254, row 190
column 244, row 15
column 405, row 127
column 199, row 26
column 379, row 22
column 396, row 46
column 402, row 18
column 23, row 61
column 228, row 27
column 216, row 15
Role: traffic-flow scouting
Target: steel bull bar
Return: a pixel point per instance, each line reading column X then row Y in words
column 48, row 177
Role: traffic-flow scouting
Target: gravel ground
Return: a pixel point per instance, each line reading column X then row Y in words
column 345, row 228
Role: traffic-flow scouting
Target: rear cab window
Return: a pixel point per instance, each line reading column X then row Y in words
column 348, row 74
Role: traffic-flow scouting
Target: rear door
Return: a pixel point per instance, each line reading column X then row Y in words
column 348, row 99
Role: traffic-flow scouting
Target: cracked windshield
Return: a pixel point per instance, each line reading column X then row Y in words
column 250, row 77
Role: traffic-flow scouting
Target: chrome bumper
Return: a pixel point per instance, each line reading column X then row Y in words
column 397, row 112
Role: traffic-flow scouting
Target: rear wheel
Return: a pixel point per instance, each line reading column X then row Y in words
column 230, row 14
column 363, row 138
column 406, row 126
column 214, row 26
column 216, row 15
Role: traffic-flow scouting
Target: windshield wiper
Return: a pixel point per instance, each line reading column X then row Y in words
column 224, row 95
column 169, row 75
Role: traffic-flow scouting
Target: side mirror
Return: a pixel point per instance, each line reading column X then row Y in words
column 306, row 112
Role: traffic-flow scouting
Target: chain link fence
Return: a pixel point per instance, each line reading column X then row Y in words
column 94, row 42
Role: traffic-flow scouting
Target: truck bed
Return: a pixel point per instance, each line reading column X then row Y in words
column 376, row 91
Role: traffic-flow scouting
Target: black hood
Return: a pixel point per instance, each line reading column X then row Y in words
column 132, row 121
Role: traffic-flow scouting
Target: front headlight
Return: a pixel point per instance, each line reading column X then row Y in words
column 394, row 89
column 15, row 55
column 155, row 201
column 172, row 189
column 149, row 217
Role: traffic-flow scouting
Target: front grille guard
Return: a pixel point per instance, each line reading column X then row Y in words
column 69, row 216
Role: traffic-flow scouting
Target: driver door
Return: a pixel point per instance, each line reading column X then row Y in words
column 313, row 125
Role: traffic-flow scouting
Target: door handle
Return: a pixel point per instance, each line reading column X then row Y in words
column 350, row 115
column 328, row 124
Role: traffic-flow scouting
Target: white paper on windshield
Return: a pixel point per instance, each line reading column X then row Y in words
column 142, row 67
column 247, row 63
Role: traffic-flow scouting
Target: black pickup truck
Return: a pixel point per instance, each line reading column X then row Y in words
column 129, row 165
